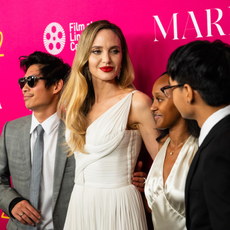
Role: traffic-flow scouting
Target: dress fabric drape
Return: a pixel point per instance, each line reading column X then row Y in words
column 103, row 197
column 167, row 200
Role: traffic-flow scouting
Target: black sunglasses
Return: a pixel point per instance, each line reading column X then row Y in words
column 30, row 81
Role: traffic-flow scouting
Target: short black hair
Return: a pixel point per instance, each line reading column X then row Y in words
column 205, row 66
column 52, row 68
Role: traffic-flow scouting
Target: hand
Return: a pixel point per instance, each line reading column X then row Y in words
column 139, row 177
column 25, row 213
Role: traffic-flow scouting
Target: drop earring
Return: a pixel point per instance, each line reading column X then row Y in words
column 119, row 74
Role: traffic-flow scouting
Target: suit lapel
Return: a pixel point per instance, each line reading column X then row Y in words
column 24, row 143
column 190, row 175
column 60, row 162
column 224, row 123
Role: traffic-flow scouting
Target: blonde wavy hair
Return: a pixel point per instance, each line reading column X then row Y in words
column 78, row 96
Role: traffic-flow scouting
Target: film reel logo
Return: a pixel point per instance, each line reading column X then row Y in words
column 54, row 38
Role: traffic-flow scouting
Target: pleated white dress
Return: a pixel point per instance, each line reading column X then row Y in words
column 103, row 197
column 167, row 200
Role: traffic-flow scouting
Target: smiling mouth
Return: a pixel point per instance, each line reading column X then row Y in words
column 156, row 117
column 26, row 97
column 106, row 69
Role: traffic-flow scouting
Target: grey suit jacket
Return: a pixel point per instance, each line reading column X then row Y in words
column 15, row 162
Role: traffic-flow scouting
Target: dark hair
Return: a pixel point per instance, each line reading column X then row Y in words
column 52, row 68
column 193, row 127
column 163, row 133
column 164, row 73
column 205, row 66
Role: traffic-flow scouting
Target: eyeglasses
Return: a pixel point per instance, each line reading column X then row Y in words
column 30, row 81
column 167, row 90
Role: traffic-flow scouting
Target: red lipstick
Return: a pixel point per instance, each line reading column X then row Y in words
column 106, row 68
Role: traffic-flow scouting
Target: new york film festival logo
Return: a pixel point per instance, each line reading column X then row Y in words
column 1, row 43
column 54, row 37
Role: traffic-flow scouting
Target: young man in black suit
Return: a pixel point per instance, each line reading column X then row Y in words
column 200, row 81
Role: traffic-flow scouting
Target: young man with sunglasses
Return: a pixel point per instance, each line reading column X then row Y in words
column 200, row 84
column 44, row 78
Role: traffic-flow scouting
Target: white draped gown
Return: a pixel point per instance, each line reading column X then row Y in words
column 167, row 201
column 103, row 197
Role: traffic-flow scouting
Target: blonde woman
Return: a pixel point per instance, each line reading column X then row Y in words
column 105, row 119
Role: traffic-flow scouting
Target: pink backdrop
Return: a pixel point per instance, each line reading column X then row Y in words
column 153, row 29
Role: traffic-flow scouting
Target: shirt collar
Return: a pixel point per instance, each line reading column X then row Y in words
column 212, row 121
column 48, row 125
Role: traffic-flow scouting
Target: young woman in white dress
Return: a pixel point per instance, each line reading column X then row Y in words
column 165, row 184
column 105, row 119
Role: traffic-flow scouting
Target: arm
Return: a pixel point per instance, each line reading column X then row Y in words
column 7, row 194
column 139, row 177
column 141, row 118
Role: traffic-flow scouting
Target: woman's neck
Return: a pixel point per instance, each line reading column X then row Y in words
column 104, row 90
column 179, row 133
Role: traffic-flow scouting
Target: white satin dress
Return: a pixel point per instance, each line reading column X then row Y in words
column 103, row 197
column 167, row 202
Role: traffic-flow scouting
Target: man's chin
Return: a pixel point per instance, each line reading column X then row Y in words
column 29, row 107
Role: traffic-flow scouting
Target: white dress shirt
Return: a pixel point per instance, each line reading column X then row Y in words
column 50, row 127
column 212, row 121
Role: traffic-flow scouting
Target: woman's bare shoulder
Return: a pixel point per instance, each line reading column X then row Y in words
column 140, row 109
column 141, row 101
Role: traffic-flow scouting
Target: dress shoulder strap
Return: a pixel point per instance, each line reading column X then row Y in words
column 126, row 108
column 134, row 91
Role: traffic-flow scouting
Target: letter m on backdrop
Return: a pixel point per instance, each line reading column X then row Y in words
column 164, row 33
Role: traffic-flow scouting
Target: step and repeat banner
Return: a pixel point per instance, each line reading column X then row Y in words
column 153, row 29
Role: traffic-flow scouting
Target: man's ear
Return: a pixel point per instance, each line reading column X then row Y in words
column 188, row 93
column 58, row 86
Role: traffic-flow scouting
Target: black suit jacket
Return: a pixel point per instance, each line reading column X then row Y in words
column 207, row 191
